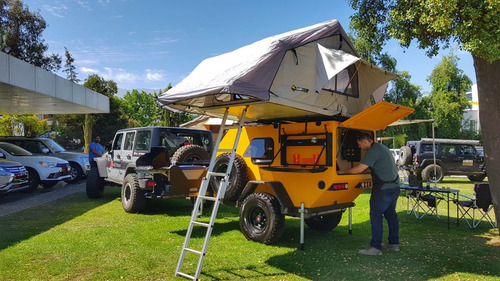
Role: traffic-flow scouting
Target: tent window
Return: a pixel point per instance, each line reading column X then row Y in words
column 344, row 83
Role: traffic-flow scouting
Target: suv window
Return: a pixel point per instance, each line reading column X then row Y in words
column 426, row 148
column 129, row 141
column 143, row 140
column 447, row 149
column 466, row 150
column 117, row 145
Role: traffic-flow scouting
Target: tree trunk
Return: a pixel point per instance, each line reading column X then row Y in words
column 87, row 131
column 488, row 87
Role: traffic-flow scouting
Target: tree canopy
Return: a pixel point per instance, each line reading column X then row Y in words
column 21, row 35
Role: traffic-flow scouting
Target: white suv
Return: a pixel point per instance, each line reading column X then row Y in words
column 44, row 170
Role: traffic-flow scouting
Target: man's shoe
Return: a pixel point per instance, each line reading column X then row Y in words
column 394, row 247
column 371, row 252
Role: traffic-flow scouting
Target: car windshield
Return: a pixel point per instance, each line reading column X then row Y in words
column 54, row 146
column 14, row 150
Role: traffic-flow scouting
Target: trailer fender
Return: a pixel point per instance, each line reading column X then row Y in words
column 278, row 189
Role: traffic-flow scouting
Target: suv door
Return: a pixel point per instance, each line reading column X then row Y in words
column 114, row 166
column 468, row 159
column 448, row 156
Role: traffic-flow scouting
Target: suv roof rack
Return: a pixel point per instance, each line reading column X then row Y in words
column 453, row 141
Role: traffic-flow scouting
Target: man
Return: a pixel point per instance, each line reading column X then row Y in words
column 95, row 150
column 385, row 192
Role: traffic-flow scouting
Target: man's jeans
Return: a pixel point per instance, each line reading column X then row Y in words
column 383, row 203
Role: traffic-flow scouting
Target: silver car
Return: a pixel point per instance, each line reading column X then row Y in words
column 44, row 146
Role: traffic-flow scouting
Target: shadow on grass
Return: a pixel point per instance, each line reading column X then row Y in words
column 428, row 250
column 30, row 222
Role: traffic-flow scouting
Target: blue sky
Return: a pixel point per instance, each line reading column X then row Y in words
column 149, row 44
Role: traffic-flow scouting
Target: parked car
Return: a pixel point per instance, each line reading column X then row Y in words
column 44, row 170
column 395, row 154
column 13, row 177
column 79, row 162
column 453, row 157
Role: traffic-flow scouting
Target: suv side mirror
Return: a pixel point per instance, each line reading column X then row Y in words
column 45, row 150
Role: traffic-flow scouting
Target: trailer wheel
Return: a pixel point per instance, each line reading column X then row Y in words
column 405, row 156
column 324, row 222
column 133, row 200
column 261, row 219
column 428, row 173
column 95, row 184
column 190, row 153
column 237, row 179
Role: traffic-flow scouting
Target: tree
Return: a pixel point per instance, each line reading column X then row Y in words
column 27, row 125
column 433, row 25
column 21, row 35
column 142, row 107
column 69, row 68
column 171, row 118
column 449, row 86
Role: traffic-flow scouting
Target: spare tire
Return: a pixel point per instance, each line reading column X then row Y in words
column 237, row 179
column 190, row 154
column 405, row 156
column 428, row 173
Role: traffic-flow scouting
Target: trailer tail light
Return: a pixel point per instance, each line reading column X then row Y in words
column 150, row 183
column 338, row 186
column 365, row 184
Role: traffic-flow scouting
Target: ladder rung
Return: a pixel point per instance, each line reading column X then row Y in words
column 192, row 251
column 185, row 275
column 201, row 224
column 224, row 150
column 210, row 198
column 217, row 174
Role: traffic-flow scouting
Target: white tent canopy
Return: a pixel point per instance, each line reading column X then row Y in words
column 306, row 72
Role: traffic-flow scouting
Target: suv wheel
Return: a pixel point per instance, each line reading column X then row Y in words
column 190, row 153
column 324, row 222
column 476, row 178
column 33, row 179
column 428, row 173
column 237, row 179
column 76, row 173
column 405, row 156
column 95, row 184
column 261, row 219
column 133, row 200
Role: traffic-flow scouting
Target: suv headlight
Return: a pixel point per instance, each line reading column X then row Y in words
column 48, row 164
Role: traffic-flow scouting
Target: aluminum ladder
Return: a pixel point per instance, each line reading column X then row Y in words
column 202, row 197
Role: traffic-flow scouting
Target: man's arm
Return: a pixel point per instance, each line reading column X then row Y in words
column 354, row 170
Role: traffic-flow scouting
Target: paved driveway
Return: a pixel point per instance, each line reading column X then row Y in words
column 18, row 201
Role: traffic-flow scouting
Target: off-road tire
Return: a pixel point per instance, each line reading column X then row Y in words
column 324, row 222
column 94, row 185
column 33, row 179
column 133, row 200
column 261, row 219
column 479, row 178
column 405, row 156
column 76, row 173
column 190, row 153
column 237, row 179
column 428, row 173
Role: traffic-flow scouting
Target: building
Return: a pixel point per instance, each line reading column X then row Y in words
column 470, row 121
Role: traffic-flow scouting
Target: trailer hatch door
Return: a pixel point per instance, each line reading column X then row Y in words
column 377, row 117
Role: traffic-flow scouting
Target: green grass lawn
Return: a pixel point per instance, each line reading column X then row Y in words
column 76, row 238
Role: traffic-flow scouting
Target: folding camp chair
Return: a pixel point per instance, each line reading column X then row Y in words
column 429, row 205
column 480, row 202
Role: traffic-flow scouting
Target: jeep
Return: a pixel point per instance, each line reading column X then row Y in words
column 451, row 157
column 152, row 162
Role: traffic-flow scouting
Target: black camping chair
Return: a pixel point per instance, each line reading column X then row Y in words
column 480, row 202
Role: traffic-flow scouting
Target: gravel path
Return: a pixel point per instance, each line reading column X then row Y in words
column 15, row 202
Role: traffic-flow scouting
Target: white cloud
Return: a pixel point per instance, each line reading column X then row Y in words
column 57, row 11
column 87, row 70
column 119, row 75
column 154, row 75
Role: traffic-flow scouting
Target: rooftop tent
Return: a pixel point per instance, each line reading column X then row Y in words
column 312, row 71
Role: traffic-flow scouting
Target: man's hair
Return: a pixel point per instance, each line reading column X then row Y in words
column 364, row 136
